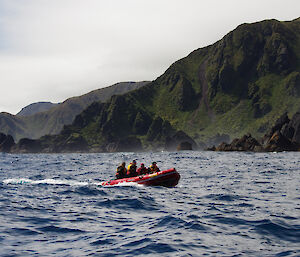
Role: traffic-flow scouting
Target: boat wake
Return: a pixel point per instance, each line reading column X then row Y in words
column 19, row 181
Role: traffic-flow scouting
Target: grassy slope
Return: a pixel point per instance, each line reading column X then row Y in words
column 240, row 84
column 246, row 50
column 52, row 121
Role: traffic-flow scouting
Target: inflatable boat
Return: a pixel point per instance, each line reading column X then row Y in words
column 166, row 178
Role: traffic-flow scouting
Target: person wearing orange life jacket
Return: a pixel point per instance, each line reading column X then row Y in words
column 142, row 170
column 153, row 168
column 131, row 170
column 121, row 171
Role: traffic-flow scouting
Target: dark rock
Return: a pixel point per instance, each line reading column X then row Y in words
column 279, row 143
column 287, row 131
column 128, row 144
column 218, row 139
column 154, row 129
column 246, row 143
column 283, row 136
column 284, row 119
column 141, row 123
column 159, row 130
column 185, row 96
column 6, row 143
column 277, row 56
column 74, row 143
column 2, row 137
column 212, row 148
column 26, row 145
column 179, row 137
column 223, row 147
column 294, row 125
column 226, row 77
column 184, row 146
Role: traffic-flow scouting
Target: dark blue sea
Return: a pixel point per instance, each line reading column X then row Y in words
column 226, row 204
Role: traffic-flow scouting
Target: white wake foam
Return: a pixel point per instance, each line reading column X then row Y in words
column 64, row 182
column 45, row 181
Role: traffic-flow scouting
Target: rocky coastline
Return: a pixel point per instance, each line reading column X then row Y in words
column 283, row 136
column 179, row 141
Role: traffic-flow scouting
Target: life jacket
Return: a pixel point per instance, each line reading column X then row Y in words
column 121, row 172
column 154, row 168
column 131, row 170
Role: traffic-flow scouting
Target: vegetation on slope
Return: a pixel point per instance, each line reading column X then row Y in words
column 52, row 121
column 240, row 84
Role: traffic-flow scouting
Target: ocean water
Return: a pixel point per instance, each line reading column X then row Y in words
column 226, row 204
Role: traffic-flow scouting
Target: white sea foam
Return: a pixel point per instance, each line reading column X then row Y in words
column 64, row 182
column 127, row 184
column 45, row 181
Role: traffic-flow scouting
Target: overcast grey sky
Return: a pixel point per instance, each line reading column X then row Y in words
column 54, row 49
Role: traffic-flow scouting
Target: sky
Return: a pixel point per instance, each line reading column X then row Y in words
column 51, row 50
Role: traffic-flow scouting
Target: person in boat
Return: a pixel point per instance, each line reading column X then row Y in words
column 131, row 170
column 121, row 171
column 153, row 168
column 142, row 170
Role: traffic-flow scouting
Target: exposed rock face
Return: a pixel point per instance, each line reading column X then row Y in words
column 278, row 143
column 129, row 144
column 26, row 145
column 246, row 143
column 6, row 143
column 180, row 141
column 223, row 87
column 283, row 136
column 184, row 146
column 158, row 129
column 75, row 143
column 292, row 130
column 218, row 139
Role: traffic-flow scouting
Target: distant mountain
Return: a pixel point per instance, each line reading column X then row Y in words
column 35, row 108
column 240, row 84
column 52, row 121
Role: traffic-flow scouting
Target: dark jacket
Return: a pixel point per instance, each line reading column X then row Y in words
column 121, row 172
column 131, row 171
column 142, row 171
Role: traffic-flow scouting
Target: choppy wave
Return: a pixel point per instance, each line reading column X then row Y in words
column 226, row 204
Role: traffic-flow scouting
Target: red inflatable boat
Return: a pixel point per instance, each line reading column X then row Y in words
column 167, row 178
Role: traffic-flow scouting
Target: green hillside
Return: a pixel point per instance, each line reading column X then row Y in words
column 240, row 84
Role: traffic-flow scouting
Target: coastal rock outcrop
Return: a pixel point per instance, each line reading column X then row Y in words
column 246, row 143
column 283, row 136
column 184, row 146
column 6, row 143
column 128, row 144
column 180, row 141
column 26, row 145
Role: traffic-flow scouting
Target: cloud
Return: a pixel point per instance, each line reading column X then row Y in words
column 54, row 49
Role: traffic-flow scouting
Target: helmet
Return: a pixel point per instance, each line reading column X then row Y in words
column 134, row 161
column 153, row 163
column 142, row 164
